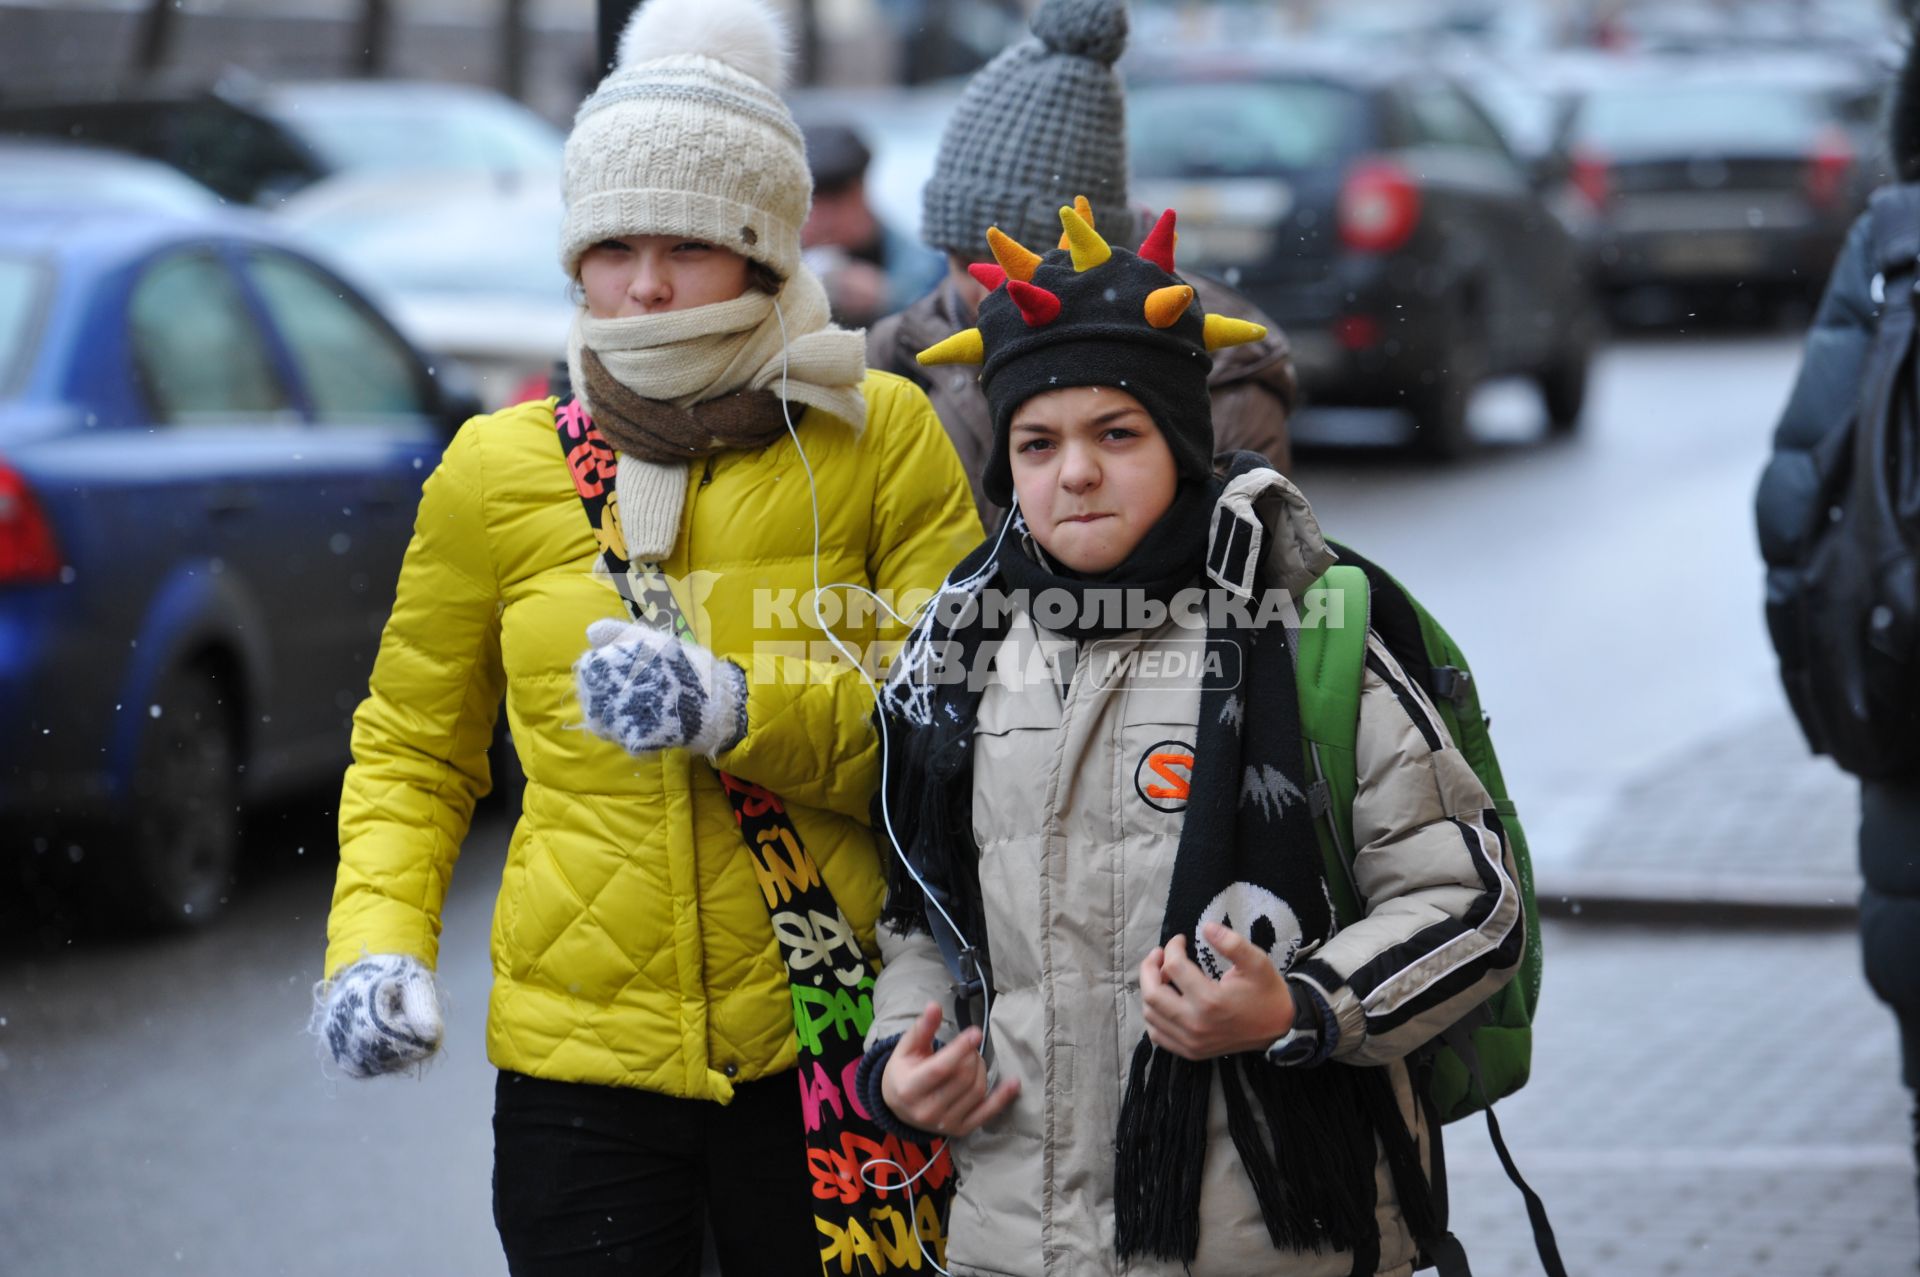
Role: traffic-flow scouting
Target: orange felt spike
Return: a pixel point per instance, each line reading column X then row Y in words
column 1222, row 332
column 1037, row 306
column 989, row 275
column 1089, row 250
column 1158, row 246
column 964, row 347
column 1166, row 305
column 1019, row 262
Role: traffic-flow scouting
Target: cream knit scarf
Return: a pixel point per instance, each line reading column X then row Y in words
column 786, row 344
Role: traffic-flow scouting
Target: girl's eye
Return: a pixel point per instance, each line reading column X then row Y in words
column 693, row 246
column 612, row 246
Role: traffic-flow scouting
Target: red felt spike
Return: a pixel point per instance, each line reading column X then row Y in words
column 1037, row 306
column 1158, row 246
column 989, row 275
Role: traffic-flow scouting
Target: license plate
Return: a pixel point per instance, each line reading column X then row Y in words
column 1705, row 254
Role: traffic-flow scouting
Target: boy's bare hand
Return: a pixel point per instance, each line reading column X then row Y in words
column 1197, row 1017
column 943, row 1091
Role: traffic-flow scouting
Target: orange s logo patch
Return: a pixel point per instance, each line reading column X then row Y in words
column 1164, row 775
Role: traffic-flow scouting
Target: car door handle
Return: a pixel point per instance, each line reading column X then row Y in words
column 232, row 500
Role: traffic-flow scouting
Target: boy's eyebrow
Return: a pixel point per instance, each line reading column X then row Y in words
column 1048, row 428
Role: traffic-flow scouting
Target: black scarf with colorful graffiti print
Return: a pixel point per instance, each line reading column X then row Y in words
column 854, row 1170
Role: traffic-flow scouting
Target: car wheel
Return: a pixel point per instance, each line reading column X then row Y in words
column 1563, row 386
column 1441, row 431
column 185, row 827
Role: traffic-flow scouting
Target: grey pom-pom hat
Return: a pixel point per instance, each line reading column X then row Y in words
column 1043, row 122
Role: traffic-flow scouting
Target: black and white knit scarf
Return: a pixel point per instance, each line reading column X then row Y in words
column 1249, row 858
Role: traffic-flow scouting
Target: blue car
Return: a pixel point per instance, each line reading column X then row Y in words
column 211, row 450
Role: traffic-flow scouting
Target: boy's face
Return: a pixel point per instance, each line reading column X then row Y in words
column 1092, row 472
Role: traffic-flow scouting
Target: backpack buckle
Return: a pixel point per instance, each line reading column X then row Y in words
column 1450, row 682
column 966, row 990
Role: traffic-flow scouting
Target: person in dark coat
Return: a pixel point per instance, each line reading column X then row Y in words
column 1042, row 123
column 1838, row 346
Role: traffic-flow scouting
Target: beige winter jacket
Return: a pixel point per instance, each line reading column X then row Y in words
column 1074, row 871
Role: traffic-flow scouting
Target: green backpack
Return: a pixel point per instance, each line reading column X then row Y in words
column 1489, row 1053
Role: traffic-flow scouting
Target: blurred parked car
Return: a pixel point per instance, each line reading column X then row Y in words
column 50, row 172
column 211, row 449
column 1373, row 209
column 255, row 143
column 467, row 265
column 1685, row 184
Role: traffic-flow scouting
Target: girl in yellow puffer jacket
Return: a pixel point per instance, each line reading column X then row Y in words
column 641, row 1015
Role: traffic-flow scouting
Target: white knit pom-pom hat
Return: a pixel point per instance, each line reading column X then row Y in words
column 688, row 136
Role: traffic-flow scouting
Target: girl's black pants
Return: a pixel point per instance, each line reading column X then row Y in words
column 593, row 1181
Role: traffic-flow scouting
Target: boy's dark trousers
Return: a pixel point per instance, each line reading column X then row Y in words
column 594, row 1181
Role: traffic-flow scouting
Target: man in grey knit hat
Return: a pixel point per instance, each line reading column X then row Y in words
column 1040, row 124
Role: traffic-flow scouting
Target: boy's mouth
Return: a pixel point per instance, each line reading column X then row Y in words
column 1084, row 518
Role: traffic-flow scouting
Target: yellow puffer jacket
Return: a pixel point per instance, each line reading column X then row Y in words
column 631, row 944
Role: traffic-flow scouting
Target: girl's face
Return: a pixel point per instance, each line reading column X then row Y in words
column 1092, row 472
column 652, row 274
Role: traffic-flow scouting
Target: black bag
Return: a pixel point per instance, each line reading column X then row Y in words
column 1843, row 596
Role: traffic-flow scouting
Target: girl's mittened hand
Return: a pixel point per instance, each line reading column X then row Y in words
column 645, row 690
column 942, row 1089
column 380, row 1015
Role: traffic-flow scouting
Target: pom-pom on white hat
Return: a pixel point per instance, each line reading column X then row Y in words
column 688, row 136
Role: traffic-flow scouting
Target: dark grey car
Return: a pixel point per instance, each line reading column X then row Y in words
column 1374, row 210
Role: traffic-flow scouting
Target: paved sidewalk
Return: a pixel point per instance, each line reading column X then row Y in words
column 1692, row 1114
column 1743, row 820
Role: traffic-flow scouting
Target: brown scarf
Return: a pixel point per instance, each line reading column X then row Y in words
column 654, row 430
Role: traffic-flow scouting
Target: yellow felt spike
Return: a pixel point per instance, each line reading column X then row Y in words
column 1089, row 250
column 1084, row 207
column 1019, row 262
column 1222, row 332
column 964, row 347
column 1166, row 305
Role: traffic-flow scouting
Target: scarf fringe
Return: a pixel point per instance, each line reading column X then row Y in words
column 1162, row 1155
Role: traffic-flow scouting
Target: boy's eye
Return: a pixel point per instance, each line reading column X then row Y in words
column 1033, row 445
column 1121, row 432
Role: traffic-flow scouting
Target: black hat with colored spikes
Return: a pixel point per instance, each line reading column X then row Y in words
column 1090, row 314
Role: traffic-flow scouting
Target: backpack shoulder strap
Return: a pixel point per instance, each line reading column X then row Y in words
column 1330, row 656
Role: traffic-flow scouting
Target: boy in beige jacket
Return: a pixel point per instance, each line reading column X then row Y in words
column 1096, row 777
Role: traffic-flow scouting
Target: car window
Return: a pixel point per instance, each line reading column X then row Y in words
column 398, row 134
column 1441, row 116
column 353, row 367
column 195, row 345
column 20, row 282
column 1239, row 129
column 1666, row 116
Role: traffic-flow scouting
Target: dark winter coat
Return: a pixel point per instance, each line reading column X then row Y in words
column 1252, row 386
column 1836, row 357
